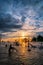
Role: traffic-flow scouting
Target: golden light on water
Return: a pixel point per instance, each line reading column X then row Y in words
column 23, row 44
column 22, row 50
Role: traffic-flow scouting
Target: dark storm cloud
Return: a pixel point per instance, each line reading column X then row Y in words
column 7, row 23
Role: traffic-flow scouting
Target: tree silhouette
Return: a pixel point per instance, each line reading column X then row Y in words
column 40, row 38
column 34, row 39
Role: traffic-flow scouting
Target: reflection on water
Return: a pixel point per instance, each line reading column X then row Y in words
column 22, row 56
column 22, row 50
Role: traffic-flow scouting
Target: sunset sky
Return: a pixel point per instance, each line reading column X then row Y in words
column 21, row 18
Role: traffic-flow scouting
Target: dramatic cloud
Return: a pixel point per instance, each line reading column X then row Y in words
column 7, row 23
column 21, row 15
